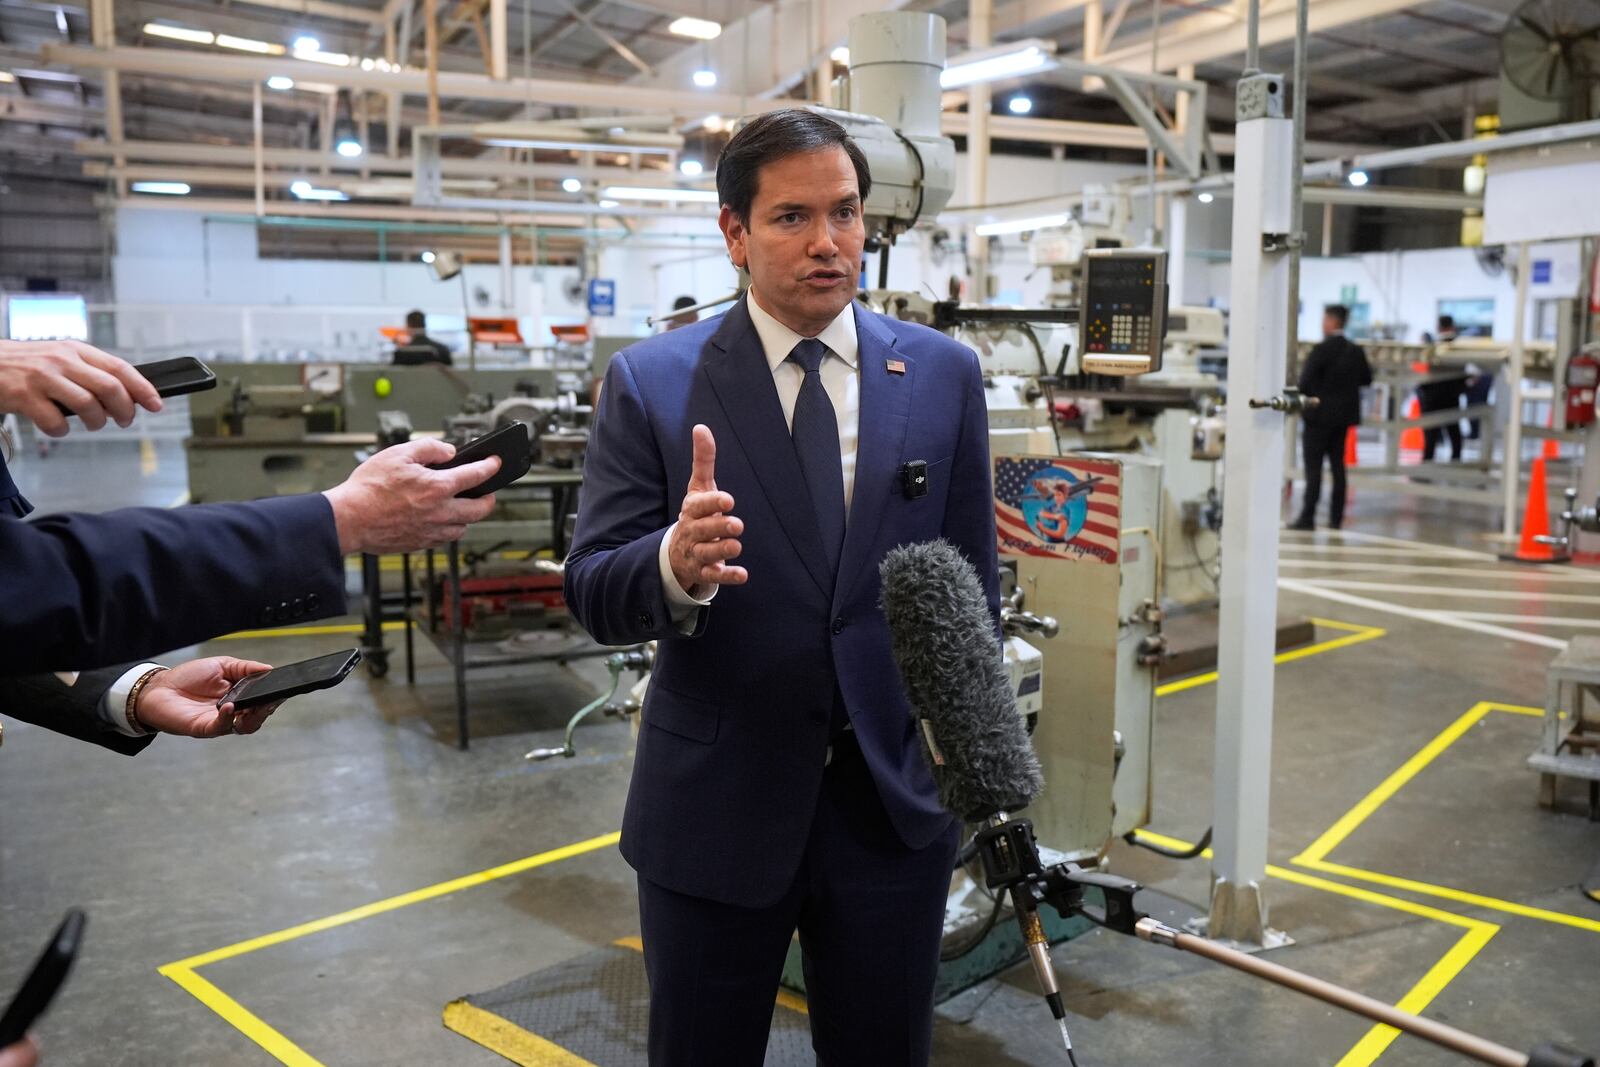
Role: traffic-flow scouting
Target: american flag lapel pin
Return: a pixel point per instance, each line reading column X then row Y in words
column 896, row 366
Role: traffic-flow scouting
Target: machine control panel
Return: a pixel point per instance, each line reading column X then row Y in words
column 1123, row 322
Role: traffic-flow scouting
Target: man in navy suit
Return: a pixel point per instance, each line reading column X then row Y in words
column 779, row 784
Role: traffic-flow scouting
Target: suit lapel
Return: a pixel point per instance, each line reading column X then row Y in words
column 743, row 383
column 885, row 407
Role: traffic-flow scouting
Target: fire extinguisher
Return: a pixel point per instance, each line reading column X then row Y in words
column 1583, row 376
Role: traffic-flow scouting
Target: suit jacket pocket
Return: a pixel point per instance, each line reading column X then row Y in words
column 686, row 716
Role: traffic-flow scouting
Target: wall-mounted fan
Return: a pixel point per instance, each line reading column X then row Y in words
column 1550, row 51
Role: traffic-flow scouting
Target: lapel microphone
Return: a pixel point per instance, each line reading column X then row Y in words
column 914, row 479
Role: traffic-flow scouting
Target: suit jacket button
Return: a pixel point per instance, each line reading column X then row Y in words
column 268, row 616
column 838, row 626
column 299, row 607
column 283, row 610
column 312, row 602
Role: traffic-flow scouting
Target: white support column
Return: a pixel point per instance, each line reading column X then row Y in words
column 1511, row 462
column 979, row 19
column 497, row 39
column 392, row 114
column 258, row 143
column 1254, row 483
column 1177, row 245
column 103, row 32
column 507, row 298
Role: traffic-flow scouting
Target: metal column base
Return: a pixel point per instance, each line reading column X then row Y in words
column 1239, row 919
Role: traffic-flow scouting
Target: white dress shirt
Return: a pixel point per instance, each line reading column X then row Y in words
column 841, row 378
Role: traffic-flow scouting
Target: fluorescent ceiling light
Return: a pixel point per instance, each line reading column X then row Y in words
column 572, row 185
column 307, row 43
column 305, row 191
column 990, row 229
column 7, row 76
column 840, row 55
column 280, row 82
column 993, row 64
column 557, row 137
column 705, row 78
column 1020, row 105
column 1358, row 178
column 428, row 257
column 162, row 188
column 180, row 33
column 349, row 149
column 608, row 203
column 699, row 29
column 246, row 44
column 640, row 192
column 1206, row 198
column 332, row 59
column 691, row 168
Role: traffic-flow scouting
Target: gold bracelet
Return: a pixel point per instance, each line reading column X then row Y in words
column 133, row 702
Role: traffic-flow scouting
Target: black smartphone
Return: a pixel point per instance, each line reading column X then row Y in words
column 171, row 377
column 46, row 978
column 291, row 680
column 512, row 443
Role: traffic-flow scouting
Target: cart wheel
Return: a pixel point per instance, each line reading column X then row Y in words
column 378, row 664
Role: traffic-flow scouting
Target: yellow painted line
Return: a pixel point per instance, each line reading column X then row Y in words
column 1475, row 900
column 147, row 457
column 635, row 943
column 276, row 1045
column 308, row 631
column 500, row 1035
column 417, row 896
column 1356, row 635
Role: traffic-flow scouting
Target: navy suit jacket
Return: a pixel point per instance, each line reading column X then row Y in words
column 83, row 591
column 735, row 734
column 74, row 710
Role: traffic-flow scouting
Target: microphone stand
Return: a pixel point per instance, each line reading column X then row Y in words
column 1011, row 861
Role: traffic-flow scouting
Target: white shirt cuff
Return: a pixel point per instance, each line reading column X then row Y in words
column 114, row 705
column 683, row 605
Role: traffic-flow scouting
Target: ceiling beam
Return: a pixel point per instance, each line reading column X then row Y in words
column 321, row 9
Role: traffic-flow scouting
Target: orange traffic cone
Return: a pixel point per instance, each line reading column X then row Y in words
column 1552, row 447
column 1411, row 439
column 1535, row 522
column 1350, row 447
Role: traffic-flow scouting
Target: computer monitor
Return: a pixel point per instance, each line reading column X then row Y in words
column 46, row 316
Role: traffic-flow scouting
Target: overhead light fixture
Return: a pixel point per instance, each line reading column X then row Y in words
column 691, row 168
column 699, row 29
column 331, row 59
column 162, row 188
column 247, row 44
column 713, row 124
column 307, row 43
column 1020, row 105
column 61, row 23
column 840, row 55
column 346, row 139
column 1358, row 178
column 180, row 33
column 1043, row 222
column 306, row 191
column 608, row 203
column 571, row 185
column 560, row 137
column 641, row 192
column 6, row 77
column 280, row 82
column 1205, row 198
column 705, row 78
column 1003, row 61
column 428, row 257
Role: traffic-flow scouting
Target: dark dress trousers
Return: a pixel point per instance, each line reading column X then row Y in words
column 1334, row 372
column 84, row 591
column 739, row 826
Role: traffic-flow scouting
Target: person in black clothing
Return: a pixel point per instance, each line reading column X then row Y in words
column 421, row 348
column 1334, row 373
column 1442, row 395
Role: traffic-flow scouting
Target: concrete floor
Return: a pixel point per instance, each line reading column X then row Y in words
column 358, row 795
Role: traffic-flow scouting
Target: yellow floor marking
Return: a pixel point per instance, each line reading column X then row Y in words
column 147, row 457
column 308, row 631
column 1356, row 635
column 280, row 1047
column 1476, row 900
column 1441, row 974
column 507, row 1038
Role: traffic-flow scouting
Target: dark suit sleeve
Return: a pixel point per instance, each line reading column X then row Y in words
column 74, row 710
column 969, row 509
column 1314, row 371
column 84, row 591
column 613, row 573
column 1365, row 366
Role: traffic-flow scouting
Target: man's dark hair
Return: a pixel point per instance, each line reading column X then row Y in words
column 684, row 302
column 1446, row 322
column 416, row 320
column 1338, row 311
column 777, row 135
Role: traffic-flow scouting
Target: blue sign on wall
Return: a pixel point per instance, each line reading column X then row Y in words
column 1541, row 272
column 602, row 297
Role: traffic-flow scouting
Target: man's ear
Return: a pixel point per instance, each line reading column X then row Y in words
column 734, row 232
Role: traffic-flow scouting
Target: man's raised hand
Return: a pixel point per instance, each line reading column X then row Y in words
column 707, row 535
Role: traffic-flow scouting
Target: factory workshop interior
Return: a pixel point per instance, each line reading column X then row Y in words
column 433, row 414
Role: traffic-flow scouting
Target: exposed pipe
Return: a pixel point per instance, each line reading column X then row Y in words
column 430, row 38
column 1297, row 236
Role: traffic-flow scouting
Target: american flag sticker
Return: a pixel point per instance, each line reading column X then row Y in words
column 896, row 366
column 1060, row 507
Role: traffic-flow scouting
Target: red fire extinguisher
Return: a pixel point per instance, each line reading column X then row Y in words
column 1583, row 376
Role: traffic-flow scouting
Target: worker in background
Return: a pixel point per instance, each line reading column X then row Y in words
column 421, row 348
column 1334, row 373
column 680, row 321
column 1442, row 395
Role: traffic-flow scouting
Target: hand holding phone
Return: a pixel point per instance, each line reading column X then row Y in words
column 39, row 378
column 281, row 683
column 171, row 377
column 512, row 443
column 46, row 978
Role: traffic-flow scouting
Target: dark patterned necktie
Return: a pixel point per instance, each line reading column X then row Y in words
column 816, row 442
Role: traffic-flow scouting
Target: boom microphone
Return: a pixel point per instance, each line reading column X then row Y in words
column 943, row 638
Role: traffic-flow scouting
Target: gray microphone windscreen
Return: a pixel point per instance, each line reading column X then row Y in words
column 943, row 638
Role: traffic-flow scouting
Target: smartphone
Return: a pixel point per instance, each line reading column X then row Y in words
column 171, row 377
column 46, row 978
column 512, row 443
column 291, row 680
